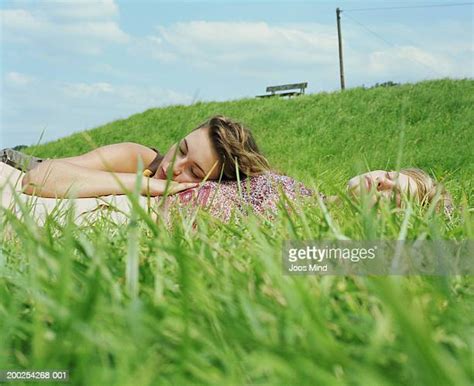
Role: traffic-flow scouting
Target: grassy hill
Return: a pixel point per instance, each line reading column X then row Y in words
column 327, row 137
column 206, row 302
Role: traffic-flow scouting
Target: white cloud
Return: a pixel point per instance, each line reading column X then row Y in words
column 113, row 97
column 53, row 26
column 409, row 52
column 71, row 9
column 82, row 9
column 268, row 51
column 64, row 107
column 87, row 89
column 17, row 79
column 210, row 44
column 20, row 19
column 394, row 59
column 105, row 31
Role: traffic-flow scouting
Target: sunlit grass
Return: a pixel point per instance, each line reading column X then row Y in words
column 209, row 304
column 205, row 302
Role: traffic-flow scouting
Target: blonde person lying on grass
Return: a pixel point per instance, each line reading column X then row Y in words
column 407, row 183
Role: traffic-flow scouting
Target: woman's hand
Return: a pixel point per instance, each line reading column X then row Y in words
column 156, row 187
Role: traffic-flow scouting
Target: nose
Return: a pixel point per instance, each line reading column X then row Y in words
column 384, row 184
column 177, row 168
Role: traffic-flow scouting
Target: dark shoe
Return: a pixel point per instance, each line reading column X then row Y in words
column 19, row 160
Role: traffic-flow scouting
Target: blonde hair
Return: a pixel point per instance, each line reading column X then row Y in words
column 236, row 148
column 427, row 189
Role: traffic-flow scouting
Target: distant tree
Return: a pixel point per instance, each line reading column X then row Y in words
column 19, row 147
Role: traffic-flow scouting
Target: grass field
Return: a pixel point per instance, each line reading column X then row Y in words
column 146, row 305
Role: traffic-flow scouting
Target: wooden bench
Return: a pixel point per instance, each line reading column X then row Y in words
column 285, row 87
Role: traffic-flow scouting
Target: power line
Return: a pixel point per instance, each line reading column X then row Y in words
column 410, row 7
column 391, row 44
column 370, row 31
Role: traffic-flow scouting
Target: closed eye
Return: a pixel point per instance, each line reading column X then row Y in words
column 195, row 163
column 182, row 150
column 194, row 174
column 392, row 176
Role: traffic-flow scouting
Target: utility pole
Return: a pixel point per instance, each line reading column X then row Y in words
column 339, row 39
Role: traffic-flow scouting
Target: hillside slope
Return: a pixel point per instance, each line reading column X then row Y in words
column 324, row 137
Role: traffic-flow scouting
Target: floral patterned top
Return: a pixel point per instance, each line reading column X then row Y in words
column 260, row 194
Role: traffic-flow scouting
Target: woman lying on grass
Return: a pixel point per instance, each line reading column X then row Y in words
column 391, row 185
column 204, row 154
column 218, row 150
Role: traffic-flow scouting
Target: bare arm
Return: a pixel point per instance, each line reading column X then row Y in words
column 90, row 174
column 119, row 157
column 87, row 173
column 58, row 178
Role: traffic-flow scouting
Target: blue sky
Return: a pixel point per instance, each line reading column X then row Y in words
column 71, row 65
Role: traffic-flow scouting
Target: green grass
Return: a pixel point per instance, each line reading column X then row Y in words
column 148, row 305
column 326, row 138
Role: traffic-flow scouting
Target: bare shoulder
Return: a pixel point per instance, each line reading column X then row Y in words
column 134, row 149
column 123, row 157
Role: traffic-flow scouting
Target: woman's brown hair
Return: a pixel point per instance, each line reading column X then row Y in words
column 236, row 147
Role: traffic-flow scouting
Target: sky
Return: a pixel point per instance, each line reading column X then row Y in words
column 72, row 65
